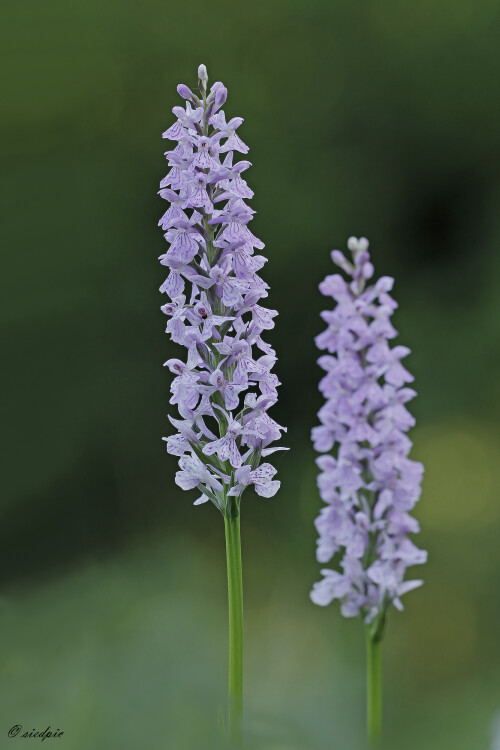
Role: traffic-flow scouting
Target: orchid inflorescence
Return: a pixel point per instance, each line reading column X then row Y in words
column 368, row 483
column 225, row 387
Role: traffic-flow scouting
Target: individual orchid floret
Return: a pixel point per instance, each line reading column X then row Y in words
column 368, row 483
column 261, row 478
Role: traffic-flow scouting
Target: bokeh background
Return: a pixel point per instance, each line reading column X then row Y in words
column 380, row 119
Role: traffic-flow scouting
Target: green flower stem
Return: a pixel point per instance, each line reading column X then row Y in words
column 235, row 599
column 373, row 688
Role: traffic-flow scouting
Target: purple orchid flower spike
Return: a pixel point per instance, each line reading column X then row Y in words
column 368, row 484
column 225, row 387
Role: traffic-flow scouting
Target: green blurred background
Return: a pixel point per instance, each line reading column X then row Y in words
column 380, row 119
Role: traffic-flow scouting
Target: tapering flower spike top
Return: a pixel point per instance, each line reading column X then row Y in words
column 224, row 386
column 367, row 482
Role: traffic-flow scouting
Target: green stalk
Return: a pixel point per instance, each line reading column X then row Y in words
column 373, row 687
column 235, row 600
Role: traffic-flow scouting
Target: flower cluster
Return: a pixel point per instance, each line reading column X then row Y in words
column 368, row 482
column 224, row 389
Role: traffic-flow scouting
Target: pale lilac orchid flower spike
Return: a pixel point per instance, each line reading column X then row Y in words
column 224, row 387
column 367, row 482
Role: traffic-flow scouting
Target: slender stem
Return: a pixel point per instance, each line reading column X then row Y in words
column 373, row 688
column 235, row 599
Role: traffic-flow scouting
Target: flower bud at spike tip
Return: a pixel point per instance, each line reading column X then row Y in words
column 185, row 91
column 202, row 78
column 220, row 92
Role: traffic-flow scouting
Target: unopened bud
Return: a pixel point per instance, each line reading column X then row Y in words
column 185, row 91
column 220, row 95
column 202, row 78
